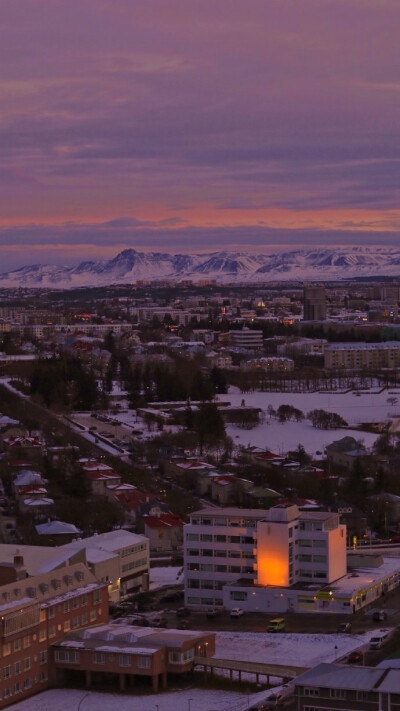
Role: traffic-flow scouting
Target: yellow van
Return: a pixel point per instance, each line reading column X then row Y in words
column 276, row 625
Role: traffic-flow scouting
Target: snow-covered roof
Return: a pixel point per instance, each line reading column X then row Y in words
column 56, row 528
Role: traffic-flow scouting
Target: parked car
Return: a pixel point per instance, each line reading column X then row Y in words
column 378, row 640
column 345, row 627
column 379, row 615
column 236, row 612
column 182, row 612
column 355, row 657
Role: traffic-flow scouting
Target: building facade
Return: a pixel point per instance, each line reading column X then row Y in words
column 36, row 612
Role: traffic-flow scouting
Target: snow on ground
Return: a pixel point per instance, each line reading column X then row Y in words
column 163, row 576
column 280, row 438
column 304, row 650
column 368, row 406
column 200, row 700
column 286, row 437
column 291, row 649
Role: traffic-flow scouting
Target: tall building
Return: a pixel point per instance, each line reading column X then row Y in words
column 261, row 559
column 314, row 303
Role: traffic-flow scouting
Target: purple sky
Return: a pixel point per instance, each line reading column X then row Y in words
column 196, row 124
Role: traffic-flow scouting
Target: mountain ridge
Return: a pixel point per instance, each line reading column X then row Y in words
column 224, row 266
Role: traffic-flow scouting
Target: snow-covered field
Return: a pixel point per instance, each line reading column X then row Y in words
column 200, row 700
column 367, row 407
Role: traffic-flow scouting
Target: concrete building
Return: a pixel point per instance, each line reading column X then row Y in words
column 119, row 559
column 358, row 356
column 314, row 303
column 248, row 338
column 218, row 548
column 279, row 560
column 336, row 687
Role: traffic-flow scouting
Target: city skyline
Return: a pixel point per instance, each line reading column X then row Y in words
column 193, row 127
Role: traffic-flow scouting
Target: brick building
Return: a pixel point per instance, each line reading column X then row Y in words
column 36, row 612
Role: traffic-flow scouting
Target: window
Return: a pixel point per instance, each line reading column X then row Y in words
column 92, row 615
column 43, row 656
column 84, row 619
column 27, row 684
column 42, row 635
column 67, row 656
column 75, row 622
column 75, row 603
column 27, row 663
column 83, row 600
column 363, row 696
column 238, row 595
column 51, row 612
column 7, row 693
column 143, row 662
column 17, row 687
column 52, row 631
column 17, row 668
column 67, row 625
column 96, row 597
column 66, row 606
column 337, row 693
column 7, row 671
column 98, row 658
column 17, row 645
column 6, row 649
column 26, row 642
column 181, row 657
column 311, row 691
column 124, row 660
column 43, row 676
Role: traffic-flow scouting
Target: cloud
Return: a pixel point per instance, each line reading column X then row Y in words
column 147, row 108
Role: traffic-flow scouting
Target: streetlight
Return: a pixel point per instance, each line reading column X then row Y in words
column 189, row 702
column 82, row 699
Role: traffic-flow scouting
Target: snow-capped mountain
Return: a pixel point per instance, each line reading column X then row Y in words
column 130, row 266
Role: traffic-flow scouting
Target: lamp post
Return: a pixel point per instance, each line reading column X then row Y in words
column 82, row 699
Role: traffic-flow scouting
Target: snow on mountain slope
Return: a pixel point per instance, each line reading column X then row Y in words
column 131, row 265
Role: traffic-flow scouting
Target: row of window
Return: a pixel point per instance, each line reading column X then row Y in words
column 138, row 563
column 237, row 523
column 338, row 693
column 133, row 549
column 211, row 552
column 210, row 568
column 18, row 667
column 210, row 538
column 70, row 656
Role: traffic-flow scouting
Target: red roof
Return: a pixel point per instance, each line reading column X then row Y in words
column 130, row 499
column 163, row 521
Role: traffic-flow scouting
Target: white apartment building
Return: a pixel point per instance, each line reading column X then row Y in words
column 218, row 548
column 262, row 559
column 356, row 356
column 246, row 338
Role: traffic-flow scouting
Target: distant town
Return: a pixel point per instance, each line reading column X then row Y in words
column 183, row 462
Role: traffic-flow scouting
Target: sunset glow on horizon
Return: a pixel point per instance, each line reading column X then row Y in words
column 187, row 126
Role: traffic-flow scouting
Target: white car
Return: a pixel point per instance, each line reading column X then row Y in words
column 236, row 612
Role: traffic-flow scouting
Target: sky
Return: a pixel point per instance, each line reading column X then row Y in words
column 190, row 125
